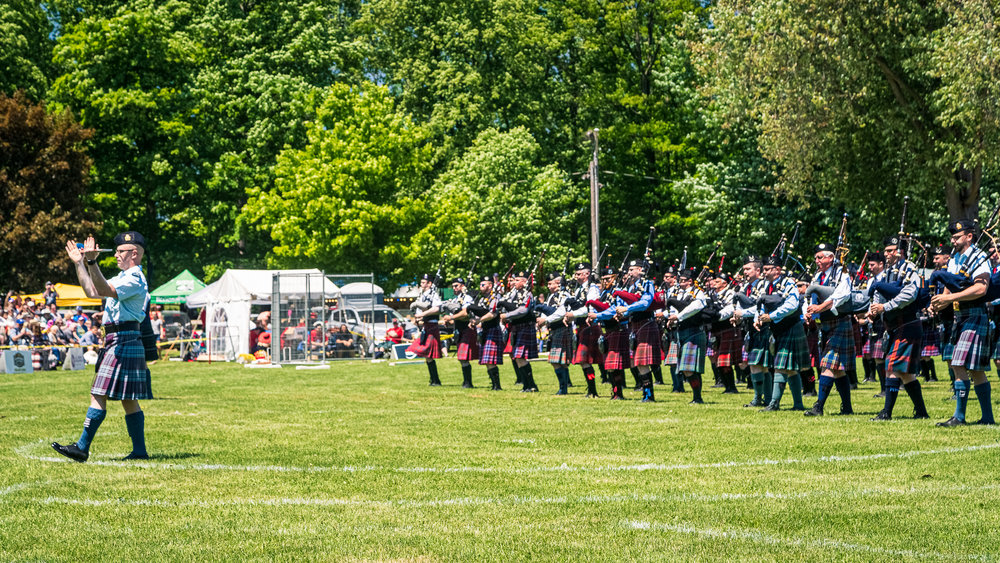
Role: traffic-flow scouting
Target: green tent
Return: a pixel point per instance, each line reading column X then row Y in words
column 176, row 290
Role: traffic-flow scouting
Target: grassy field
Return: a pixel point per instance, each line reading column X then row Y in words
column 365, row 462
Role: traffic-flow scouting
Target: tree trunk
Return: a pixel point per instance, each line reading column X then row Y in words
column 962, row 193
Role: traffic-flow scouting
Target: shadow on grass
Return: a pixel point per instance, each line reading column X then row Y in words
column 173, row 456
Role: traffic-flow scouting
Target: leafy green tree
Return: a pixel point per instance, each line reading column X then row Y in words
column 336, row 202
column 43, row 183
column 25, row 48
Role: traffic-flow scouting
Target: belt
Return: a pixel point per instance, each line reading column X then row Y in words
column 110, row 328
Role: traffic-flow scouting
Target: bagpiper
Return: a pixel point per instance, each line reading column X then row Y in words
column 780, row 305
column 616, row 336
column 757, row 340
column 491, row 333
column 728, row 338
column 465, row 333
column 691, row 333
column 670, row 290
column 427, row 307
column 836, row 332
column 552, row 316
column 588, row 353
column 644, row 331
column 520, row 320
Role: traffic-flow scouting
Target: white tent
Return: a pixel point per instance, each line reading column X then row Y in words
column 359, row 295
column 229, row 298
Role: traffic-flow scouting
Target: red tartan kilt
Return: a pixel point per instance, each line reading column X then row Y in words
column 523, row 341
column 728, row 347
column 618, row 356
column 428, row 345
column 587, row 351
column 647, row 351
column 468, row 345
column 507, row 349
column 490, row 352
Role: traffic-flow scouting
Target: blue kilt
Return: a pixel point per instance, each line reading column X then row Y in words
column 561, row 350
column 904, row 348
column 971, row 335
column 837, row 336
column 121, row 372
column 491, row 350
column 523, row 341
column 791, row 352
column 693, row 344
column 759, row 347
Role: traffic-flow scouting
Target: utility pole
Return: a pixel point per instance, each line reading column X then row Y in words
column 595, row 224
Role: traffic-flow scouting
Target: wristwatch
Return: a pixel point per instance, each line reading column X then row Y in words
column 91, row 262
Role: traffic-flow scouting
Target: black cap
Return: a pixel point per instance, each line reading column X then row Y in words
column 772, row 261
column 670, row 270
column 522, row 274
column 876, row 256
column 961, row 226
column 48, row 283
column 686, row 273
column 459, row 279
column 486, row 278
column 581, row 266
column 891, row 241
column 427, row 277
column 553, row 276
column 130, row 237
column 637, row 263
column 941, row 250
column 608, row 271
column 751, row 258
column 823, row 247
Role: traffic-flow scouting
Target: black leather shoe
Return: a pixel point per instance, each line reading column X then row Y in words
column 981, row 422
column 882, row 415
column 920, row 415
column 648, row 400
column 134, row 455
column 952, row 422
column 467, row 386
column 696, row 402
column 879, row 395
column 731, row 392
column 754, row 403
column 817, row 410
column 846, row 411
column 798, row 408
column 591, row 395
column 71, row 451
column 770, row 408
column 617, row 398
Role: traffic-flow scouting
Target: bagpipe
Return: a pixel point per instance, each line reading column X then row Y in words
column 421, row 305
column 628, row 297
column 602, row 304
column 961, row 281
column 454, row 305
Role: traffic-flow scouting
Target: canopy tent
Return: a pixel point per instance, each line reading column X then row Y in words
column 69, row 296
column 359, row 295
column 228, row 300
column 176, row 290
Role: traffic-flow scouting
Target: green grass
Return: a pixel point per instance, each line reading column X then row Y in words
column 365, row 462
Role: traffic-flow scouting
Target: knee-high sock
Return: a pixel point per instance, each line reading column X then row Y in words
column 852, row 375
column 778, row 389
column 135, row 423
column 757, row 378
column 932, row 369
column 588, row 373
column 808, row 380
column 880, row 369
column 635, row 376
column 657, row 374
column 519, row 372
column 961, row 398
column 432, row 369
column 90, row 425
column 529, row 377
column 917, row 396
column 768, row 385
column 604, row 373
column 891, row 392
column 844, row 388
column 983, row 394
column 467, row 375
column 795, row 386
column 695, row 381
column 728, row 378
column 868, row 365
column 647, row 386
column 494, row 374
column 618, row 382
column 677, row 379
column 825, row 386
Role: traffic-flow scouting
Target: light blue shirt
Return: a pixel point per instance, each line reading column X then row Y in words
column 132, row 294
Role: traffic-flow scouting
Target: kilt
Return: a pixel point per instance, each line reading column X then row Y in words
column 931, row 341
column 673, row 348
column 618, row 356
column 468, row 345
column 121, row 372
column 729, row 347
column 791, row 352
column 837, row 337
column 429, row 343
column 904, row 348
column 647, row 336
column 872, row 340
column 491, row 352
column 971, row 337
column 587, row 351
column 523, row 341
column 693, row 344
column 561, row 349
column 759, row 347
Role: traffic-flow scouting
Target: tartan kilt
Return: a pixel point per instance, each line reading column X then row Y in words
column 871, row 339
column 759, row 347
column 561, row 349
column 931, row 341
column 618, row 356
column 491, row 351
column 693, row 344
column 468, row 345
column 523, row 341
column 970, row 334
column 729, row 345
column 587, row 351
column 429, row 343
column 647, row 337
column 791, row 351
column 904, row 348
column 121, row 372
column 837, row 337
column 673, row 348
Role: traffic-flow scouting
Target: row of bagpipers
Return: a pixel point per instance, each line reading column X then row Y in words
column 769, row 325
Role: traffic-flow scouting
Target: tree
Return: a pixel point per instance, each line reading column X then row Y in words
column 500, row 203
column 43, row 183
column 336, row 203
column 858, row 101
column 25, row 49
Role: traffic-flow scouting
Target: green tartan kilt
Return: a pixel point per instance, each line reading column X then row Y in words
column 791, row 351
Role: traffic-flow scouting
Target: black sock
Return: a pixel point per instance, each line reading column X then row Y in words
column 844, row 388
column 467, row 375
column 916, row 395
column 494, row 373
column 852, row 375
column 880, row 369
column 519, row 372
column 658, row 374
column 695, row 381
column 618, row 382
column 932, row 369
column 635, row 376
column 891, row 392
column 432, row 368
column 604, row 373
column 869, row 366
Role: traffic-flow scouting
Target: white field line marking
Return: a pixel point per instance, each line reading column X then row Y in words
column 24, row 452
column 14, row 488
column 760, row 537
column 500, row 501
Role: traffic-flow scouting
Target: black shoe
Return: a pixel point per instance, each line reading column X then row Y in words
column 434, row 384
column 731, row 392
column 810, row 394
column 918, row 416
column 879, row 395
column 718, row 386
column 817, row 410
column 770, row 408
column 617, row 398
column 798, row 408
column 854, row 386
column 648, row 400
column 591, row 395
column 71, row 451
column 882, row 415
column 952, row 422
column 696, row 402
column 868, row 380
column 134, row 455
column 981, row 422
column 933, row 378
column 561, row 392
column 844, row 411
column 754, row 403
column 467, row 386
